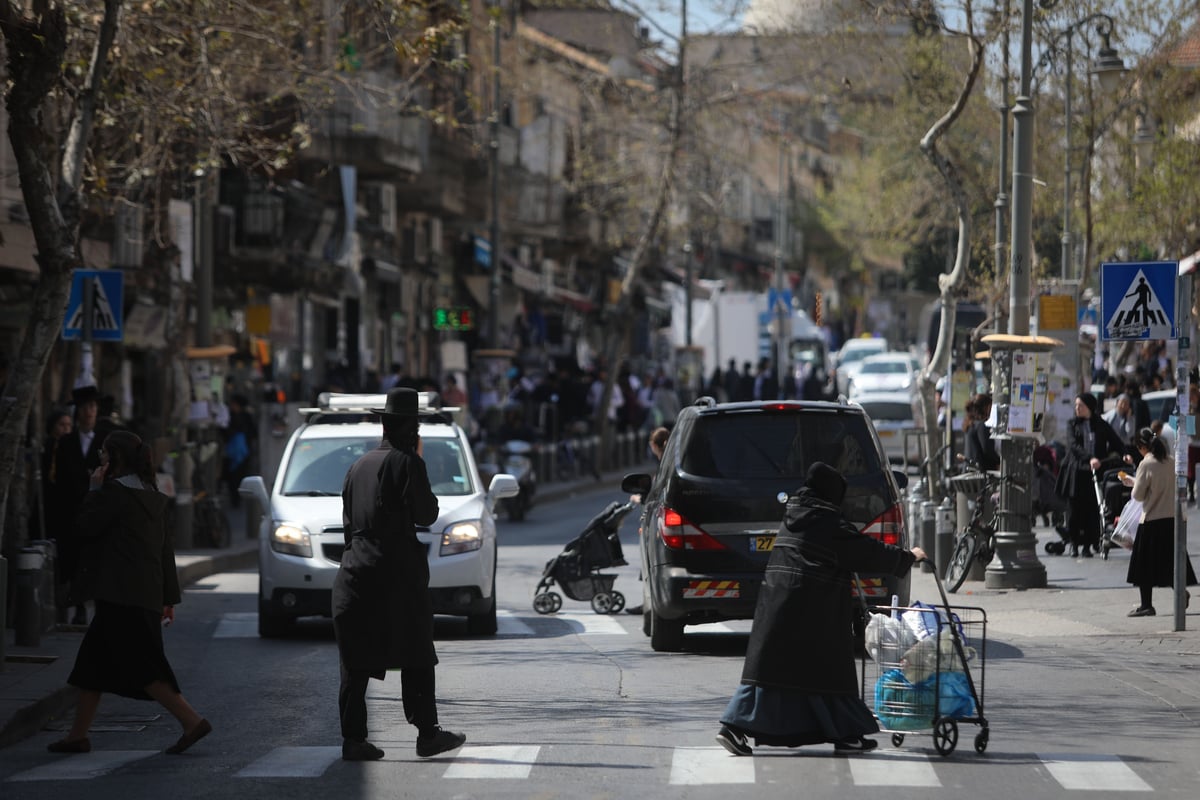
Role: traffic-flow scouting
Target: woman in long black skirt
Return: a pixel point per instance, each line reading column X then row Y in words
column 799, row 684
column 1153, row 560
column 128, row 567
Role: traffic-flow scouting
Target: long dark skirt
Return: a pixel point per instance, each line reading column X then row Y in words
column 122, row 653
column 787, row 718
column 1152, row 562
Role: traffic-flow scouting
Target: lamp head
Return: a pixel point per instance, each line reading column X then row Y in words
column 1109, row 66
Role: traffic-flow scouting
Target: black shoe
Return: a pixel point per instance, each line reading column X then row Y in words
column 1074, row 551
column 203, row 728
column 83, row 745
column 1087, row 552
column 1142, row 611
column 859, row 745
column 633, row 610
column 439, row 742
column 360, row 751
column 734, row 742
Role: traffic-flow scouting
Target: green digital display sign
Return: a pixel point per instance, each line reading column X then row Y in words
column 453, row 318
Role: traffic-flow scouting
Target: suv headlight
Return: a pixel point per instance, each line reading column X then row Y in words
column 291, row 539
column 461, row 537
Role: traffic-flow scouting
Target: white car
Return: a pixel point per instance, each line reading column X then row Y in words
column 885, row 372
column 301, row 539
column 850, row 357
column 894, row 415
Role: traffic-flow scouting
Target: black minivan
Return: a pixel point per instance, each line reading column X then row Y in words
column 711, row 513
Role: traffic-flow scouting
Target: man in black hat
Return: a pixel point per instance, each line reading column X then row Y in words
column 78, row 455
column 382, row 615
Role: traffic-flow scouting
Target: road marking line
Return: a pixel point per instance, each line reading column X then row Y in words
column 893, row 769
column 83, row 765
column 714, row 627
column 508, row 624
column 292, row 762
column 587, row 623
column 695, row 766
column 1093, row 773
column 237, row 625
column 493, row 761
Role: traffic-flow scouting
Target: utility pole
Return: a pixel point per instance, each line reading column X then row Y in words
column 781, row 309
column 493, row 327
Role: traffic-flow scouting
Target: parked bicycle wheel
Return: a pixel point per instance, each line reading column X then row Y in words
column 960, row 561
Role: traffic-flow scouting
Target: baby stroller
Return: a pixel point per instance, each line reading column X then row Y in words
column 1046, row 501
column 577, row 568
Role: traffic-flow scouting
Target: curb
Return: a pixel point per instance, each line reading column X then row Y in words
column 32, row 718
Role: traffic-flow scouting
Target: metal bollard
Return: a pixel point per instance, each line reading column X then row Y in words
column 49, row 585
column 944, row 535
column 28, row 612
column 928, row 530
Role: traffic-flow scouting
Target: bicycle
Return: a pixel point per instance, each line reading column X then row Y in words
column 209, row 523
column 977, row 539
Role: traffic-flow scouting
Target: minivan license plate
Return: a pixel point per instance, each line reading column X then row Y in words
column 761, row 544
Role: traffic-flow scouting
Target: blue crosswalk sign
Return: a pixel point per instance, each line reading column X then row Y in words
column 1137, row 300
column 107, row 309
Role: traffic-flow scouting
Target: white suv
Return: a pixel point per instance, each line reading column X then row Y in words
column 301, row 539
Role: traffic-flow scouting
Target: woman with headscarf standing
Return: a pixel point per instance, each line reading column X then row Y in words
column 127, row 565
column 799, row 684
column 1152, row 562
column 1092, row 444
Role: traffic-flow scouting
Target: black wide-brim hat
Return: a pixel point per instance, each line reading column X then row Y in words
column 401, row 402
column 85, row 394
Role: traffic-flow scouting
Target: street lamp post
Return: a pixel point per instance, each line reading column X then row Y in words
column 493, row 327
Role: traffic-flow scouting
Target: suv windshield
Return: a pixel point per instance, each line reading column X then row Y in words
column 318, row 467
column 749, row 446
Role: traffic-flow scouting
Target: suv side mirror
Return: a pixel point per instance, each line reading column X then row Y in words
column 901, row 478
column 636, row 483
column 253, row 487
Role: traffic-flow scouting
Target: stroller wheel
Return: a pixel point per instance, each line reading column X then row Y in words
column 602, row 602
column 547, row 602
column 1056, row 548
column 618, row 603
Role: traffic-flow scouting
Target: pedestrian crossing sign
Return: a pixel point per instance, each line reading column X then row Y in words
column 1137, row 300
column 107, row 311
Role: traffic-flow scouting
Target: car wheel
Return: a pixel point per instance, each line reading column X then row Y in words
column 483, row 624
column 271, row 625
column 666, row 635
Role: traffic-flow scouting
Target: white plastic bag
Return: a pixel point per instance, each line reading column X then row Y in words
column 1127, row 524
column 888, row 639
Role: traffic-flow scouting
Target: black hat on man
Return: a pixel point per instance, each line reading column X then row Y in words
column 401, row 404
column 826, row 483
column 84, row 394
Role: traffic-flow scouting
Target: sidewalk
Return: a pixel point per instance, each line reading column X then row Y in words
column 1083, row 606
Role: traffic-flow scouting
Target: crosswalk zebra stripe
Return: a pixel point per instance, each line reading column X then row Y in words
column 893, row 768
column 493, row 761
column 237, row 625
column 1095, row 773
column 589, row 623
column 696, row 766
column 292, row 762
column 507, row 624
column 83, row 765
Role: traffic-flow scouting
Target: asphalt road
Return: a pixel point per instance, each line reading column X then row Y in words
column 576, row 705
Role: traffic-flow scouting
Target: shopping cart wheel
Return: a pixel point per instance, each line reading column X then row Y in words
column 618, row 603
column 547, row 602
column 981, row 741
column 602, row 602
column 897, row 739
column 945, row 736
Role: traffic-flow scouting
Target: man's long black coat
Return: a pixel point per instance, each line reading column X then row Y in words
column 72, row 476
column 381, row 610
column 802, row 638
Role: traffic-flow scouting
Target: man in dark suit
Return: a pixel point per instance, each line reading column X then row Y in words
column 78, row 455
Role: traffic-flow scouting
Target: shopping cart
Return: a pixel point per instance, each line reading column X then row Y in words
column 924, row 683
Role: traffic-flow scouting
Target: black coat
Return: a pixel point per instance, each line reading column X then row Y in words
column 126, row 554
column 803, row 637
column 980, row 447
column 72, row 475
column 381, row 610
column 1076, row 467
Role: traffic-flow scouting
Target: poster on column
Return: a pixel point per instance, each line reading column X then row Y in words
column 1058, row 318
column 1027, row 404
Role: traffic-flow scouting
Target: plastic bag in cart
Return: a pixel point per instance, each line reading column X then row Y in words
column 888, row 639
column 924, row 620
column 931, row 655
column 904, row 706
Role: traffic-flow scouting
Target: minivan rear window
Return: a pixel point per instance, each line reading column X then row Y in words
column 749, row 445
column 887, row 411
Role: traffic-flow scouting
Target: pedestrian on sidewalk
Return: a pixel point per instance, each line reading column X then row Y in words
column 1091, row 445
column 799, row 684
column 382, row 615
column 1152, row 562
column 127, row 565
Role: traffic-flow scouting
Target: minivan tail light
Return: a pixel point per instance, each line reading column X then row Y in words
column 888, row 527
column 679, row 534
